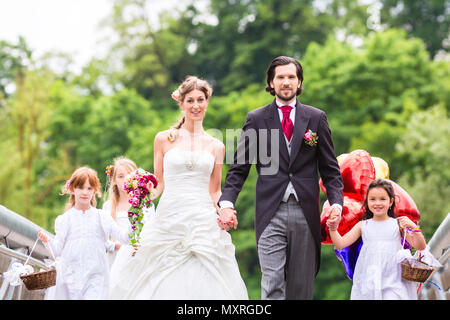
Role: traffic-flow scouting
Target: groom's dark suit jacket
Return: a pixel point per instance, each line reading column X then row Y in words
column 301, row 167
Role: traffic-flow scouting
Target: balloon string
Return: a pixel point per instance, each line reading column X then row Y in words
column 434, row 284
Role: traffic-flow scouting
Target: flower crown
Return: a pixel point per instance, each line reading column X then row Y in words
column 176, row 95
column 67, row 186
column 109, row 170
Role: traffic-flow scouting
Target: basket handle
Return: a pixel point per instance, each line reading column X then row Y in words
column 50, row 249
column 34, row 246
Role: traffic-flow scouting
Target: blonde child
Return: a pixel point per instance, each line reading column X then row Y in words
column 79, row 243
column 117, row 206
column 377, row 273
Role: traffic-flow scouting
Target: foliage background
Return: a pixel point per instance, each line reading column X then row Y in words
column 379, row 68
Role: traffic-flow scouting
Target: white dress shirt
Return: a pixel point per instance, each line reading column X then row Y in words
column 290, row 188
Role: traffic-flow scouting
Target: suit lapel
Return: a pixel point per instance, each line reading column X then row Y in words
column 272, row 120
column 300, row 125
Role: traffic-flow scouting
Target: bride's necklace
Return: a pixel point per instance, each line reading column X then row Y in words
column 191, row 162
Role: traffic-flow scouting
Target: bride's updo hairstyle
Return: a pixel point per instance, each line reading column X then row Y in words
column 191, row 83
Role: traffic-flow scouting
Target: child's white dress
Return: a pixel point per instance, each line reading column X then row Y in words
column 79, row 248
column 122, row 221
column 377, row 272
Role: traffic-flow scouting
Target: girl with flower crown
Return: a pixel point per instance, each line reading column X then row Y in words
column 117, row 206
column 79, row 243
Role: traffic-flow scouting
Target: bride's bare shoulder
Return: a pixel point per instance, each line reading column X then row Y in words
column 216, row 143
column 162, row 135
column 162, row 141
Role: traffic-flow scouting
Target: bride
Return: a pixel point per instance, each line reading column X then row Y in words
column 184, row 254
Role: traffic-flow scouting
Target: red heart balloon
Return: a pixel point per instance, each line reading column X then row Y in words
column 357, row 170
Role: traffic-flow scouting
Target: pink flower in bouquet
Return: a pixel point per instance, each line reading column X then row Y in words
column 137, row 193
column 135, row 202
column 139, row 185
column 153, row 180
column 142, row 183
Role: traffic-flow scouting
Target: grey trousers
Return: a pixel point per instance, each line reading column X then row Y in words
column 287, row 255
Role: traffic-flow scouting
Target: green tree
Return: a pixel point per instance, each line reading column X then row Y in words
column 252, row 33
column 369, row 84
column 15, row 59
column 424, row 148
column 428, row 20
column 151, row 58
column 28, row 118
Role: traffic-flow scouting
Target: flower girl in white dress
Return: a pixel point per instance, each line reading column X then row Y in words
column 377, row 273
column 117, row 206
column 79, row 243
column 184, row 254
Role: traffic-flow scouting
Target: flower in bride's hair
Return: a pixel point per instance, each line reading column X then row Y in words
column 176, row 95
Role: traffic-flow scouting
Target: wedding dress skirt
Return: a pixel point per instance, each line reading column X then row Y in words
column 183, row 253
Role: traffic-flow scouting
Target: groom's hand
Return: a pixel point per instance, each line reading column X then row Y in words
column 227, row 219
column 334, row 218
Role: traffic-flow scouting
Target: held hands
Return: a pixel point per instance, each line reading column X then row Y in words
column 227, row 219
column 334, row 218
column 117, row 246
column 42, row 236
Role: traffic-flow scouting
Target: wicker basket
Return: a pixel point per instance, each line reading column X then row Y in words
column 419, row 272
column 40, row 280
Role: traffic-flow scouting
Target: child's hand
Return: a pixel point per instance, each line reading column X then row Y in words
column 42, row 236
column 117, row 246
column 333, row 222
column 406, row 222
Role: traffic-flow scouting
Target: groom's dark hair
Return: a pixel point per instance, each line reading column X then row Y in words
column 282, row 61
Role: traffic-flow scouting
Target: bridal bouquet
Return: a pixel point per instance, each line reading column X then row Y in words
column 139, row 184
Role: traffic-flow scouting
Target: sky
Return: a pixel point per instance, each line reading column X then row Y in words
column 70, row 26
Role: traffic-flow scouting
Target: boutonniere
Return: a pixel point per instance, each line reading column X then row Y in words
column 311, row 138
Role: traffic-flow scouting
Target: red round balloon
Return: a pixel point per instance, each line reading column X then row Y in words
column 404, row 204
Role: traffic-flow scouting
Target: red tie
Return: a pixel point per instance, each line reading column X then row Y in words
column 286, row 123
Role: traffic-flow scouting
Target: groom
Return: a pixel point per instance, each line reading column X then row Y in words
column 287, row 208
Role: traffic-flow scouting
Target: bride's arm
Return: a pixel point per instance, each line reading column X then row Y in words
column 228, row 220
column 158, row 156
column 216, row 175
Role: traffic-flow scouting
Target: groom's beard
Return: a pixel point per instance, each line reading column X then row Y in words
column 284, row 98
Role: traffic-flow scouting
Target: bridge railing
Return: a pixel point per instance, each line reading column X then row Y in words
column 439, row 281
column 17, row 237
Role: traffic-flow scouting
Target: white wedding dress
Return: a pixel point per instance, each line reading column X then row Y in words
column 183, row 253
